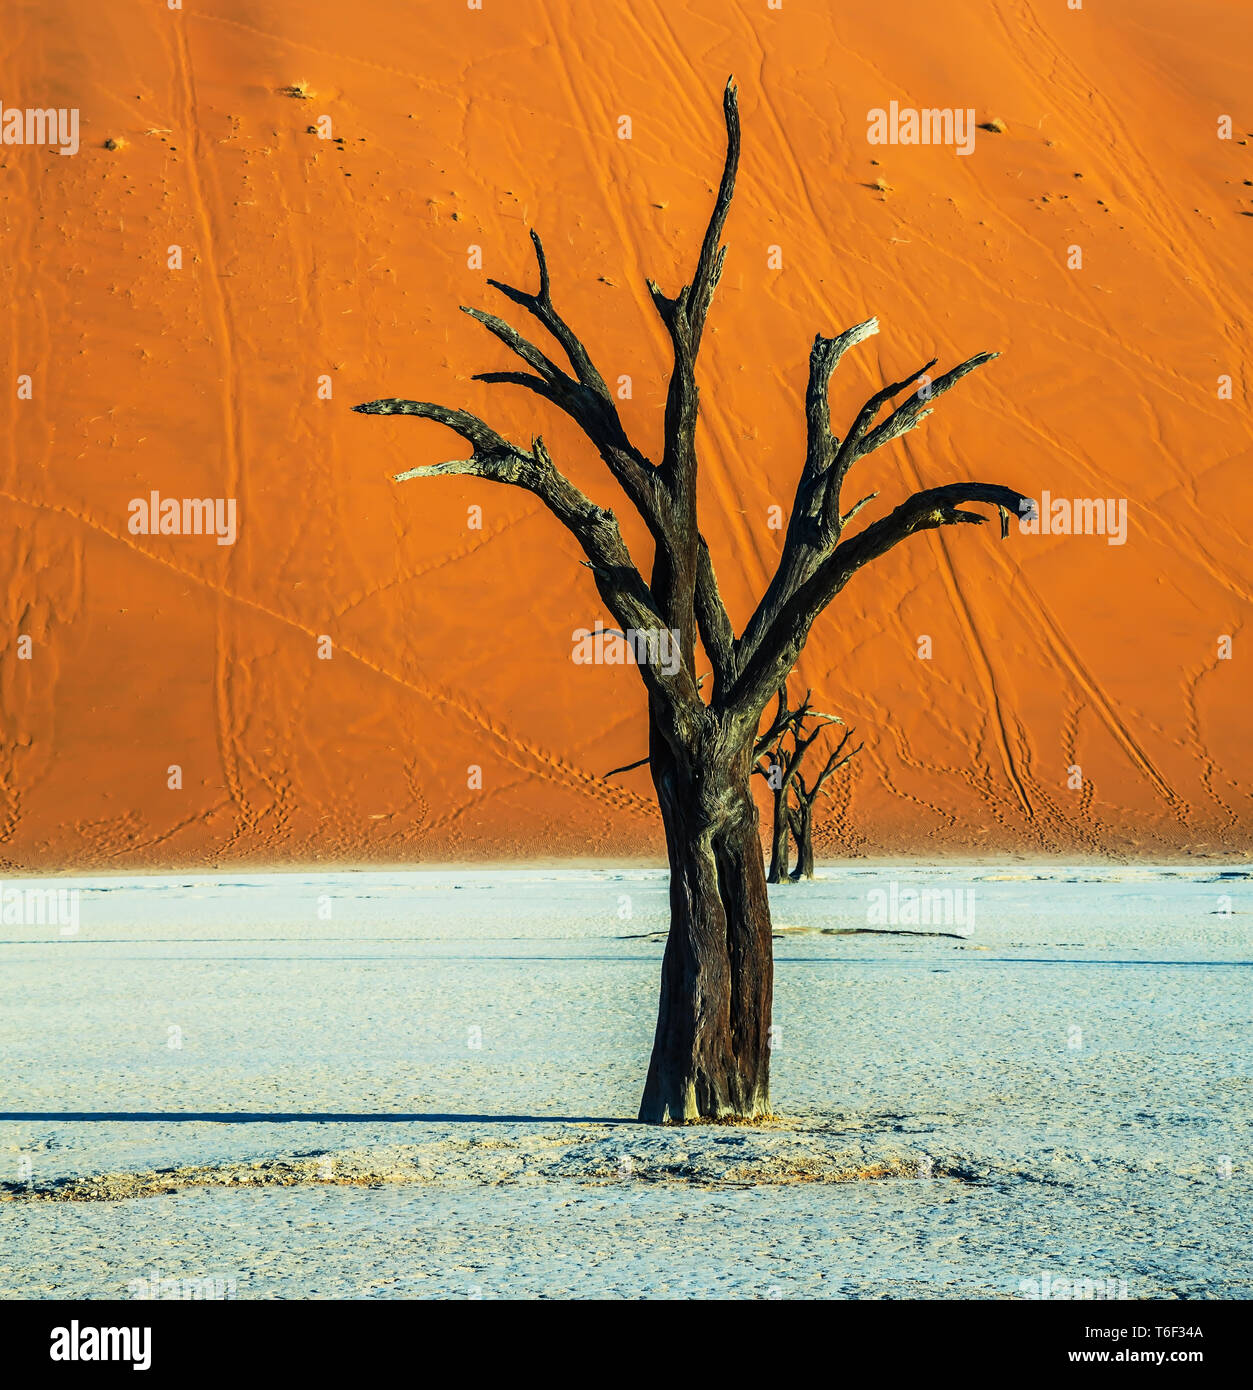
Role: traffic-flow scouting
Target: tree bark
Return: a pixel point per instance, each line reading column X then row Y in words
column 779, row 855
column 803, row 830
column 711, row 1054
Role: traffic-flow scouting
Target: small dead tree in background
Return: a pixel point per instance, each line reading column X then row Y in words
column 801, row 809
column 779, row 763
column 711, row 1050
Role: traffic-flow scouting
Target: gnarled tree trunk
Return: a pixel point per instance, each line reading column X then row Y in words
column 711, row 1054
column 779, row 855
column 803, row 832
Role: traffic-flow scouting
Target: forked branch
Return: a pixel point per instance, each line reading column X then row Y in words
column 584, row 396
column 783, row 632
column 495, row 458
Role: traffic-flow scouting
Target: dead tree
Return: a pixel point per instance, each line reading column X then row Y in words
column 779, row 763
column 801, row 808
column 711, row 1051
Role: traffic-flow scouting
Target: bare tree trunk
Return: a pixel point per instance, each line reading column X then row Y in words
column 779, row 855
column 711, row 1054
column 803, row 830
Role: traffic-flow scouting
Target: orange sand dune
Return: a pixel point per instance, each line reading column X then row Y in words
column 306, row 262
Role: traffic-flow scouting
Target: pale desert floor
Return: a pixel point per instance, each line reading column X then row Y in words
column 1075, row 1076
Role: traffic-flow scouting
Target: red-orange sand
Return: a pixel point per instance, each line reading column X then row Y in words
column 304, row 259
